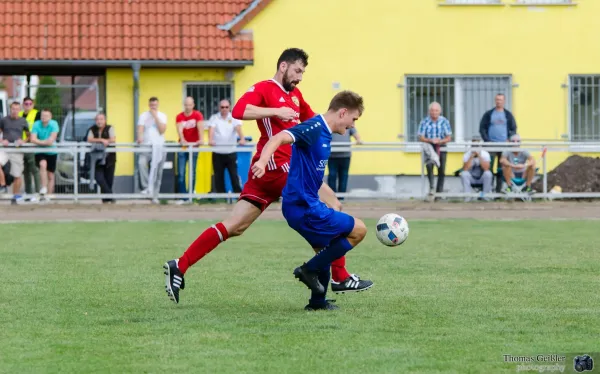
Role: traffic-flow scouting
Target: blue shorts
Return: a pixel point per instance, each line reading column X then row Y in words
column 319, row 225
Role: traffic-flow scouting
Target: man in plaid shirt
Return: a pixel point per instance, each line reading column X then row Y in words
column 435, row 130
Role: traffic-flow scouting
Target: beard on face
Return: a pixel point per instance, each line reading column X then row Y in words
column 288, row 84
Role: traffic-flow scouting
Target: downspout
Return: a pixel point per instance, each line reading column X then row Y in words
column 136, row 113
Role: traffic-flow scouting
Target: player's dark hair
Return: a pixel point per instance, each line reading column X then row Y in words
column 292, row 55
column 153, row 98
column 349, row 100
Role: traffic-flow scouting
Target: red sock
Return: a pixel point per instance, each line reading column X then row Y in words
column 338, row 270
column 206, row 242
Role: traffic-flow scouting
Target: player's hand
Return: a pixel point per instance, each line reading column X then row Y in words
column 212, row 143
column 19, row 142
column 140, row 140
column 258, row 169
column 242, row 142
column 286, row 114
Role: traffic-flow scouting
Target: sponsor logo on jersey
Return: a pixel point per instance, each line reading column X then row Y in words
column 322, row 165
column 189, row 124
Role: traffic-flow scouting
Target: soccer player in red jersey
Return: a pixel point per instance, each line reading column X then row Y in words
column 276, row 105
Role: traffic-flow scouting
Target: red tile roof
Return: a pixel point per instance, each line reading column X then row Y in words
column 176, row 30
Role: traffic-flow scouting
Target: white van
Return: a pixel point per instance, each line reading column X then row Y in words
column 73, row 130
column 3, row 104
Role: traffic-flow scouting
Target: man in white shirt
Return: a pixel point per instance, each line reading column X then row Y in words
column 151, row 128
column 476, row 169
column 223, row 131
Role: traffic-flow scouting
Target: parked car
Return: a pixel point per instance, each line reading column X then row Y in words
column 73, row 130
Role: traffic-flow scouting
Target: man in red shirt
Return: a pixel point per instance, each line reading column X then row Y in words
column 190, row 130
column 276, row 104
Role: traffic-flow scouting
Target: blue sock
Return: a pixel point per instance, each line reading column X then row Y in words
column 336, row 249
column 319, row 298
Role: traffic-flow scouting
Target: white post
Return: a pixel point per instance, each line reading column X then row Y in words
column 191, row 173
column 75, row 154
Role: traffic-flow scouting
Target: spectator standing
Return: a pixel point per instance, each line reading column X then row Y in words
column 101, row 133
column 14, row 128
column 30, row 170
column 476, row 169
column 497, row 126
column 190, row 130
column 44, row 133
column 152, row 125
column 222, row 133
column 339, row 162
column 435, row 132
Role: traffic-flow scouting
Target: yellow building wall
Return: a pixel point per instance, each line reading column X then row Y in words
column 168, row 86
column 369, row 47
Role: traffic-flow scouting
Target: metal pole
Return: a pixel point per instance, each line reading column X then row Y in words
column 136, row 112
column 190, row 173
column 75, row 154
column 423, row 187
column 73, row 108
column 545, row 170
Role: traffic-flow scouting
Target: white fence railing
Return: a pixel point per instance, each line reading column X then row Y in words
column 77, row 153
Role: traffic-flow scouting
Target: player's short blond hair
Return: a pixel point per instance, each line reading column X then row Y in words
column 349, row 100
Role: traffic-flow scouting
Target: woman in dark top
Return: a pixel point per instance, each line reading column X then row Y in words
column 105, row 135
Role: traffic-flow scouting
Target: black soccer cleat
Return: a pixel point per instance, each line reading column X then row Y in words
column 309, row 278
column 173, row 280
column 351, row 284
column 327, row 306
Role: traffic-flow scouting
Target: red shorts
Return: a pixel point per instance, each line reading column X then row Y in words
column 262, row 192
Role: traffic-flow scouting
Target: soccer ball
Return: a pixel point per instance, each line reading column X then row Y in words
column 392, row 230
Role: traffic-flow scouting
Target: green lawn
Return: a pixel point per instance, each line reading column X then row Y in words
column 89, row 298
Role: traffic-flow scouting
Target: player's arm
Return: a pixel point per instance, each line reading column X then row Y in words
column 251, row 107
column 284, row 137
column 302, row 135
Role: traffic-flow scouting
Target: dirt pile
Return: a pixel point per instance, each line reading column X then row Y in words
column 575, row 174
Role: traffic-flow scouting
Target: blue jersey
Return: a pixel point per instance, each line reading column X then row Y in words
column 310, row 152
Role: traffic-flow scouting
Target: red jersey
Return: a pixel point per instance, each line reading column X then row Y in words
column 190, row 125
column 270, row 94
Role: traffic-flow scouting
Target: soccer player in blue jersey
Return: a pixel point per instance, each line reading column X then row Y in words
column 333, row 233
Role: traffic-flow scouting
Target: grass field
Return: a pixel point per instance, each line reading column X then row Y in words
column 89, row 298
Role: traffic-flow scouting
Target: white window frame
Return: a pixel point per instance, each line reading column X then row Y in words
column 458, row 120
column 207, row 83
column 543, row 3
column 569, row 111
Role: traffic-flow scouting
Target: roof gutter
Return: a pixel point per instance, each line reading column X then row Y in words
column 229, row 25
column 128, row 63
